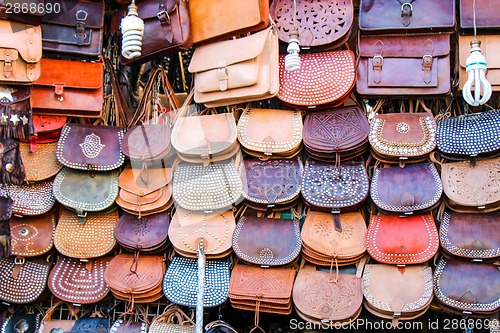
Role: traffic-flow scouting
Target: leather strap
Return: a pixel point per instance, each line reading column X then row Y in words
column 123, row 113
column 378, row 62
column 427, row 61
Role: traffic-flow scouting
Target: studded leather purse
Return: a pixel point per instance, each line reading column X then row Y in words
column 325, row 23
column 327, row 187
column 79, row 282
column 459, row 292
column 147, row 234
column 86, row 191
column 471, row 136
column 22, row 281
column 214, row 230
column 87, row 147
column 172, row 320
column 270, row 133
column 33, row 236
column 136, row 279
column 329, row 239
column 402, row 241
column 180, row 284
column 11, row 164
column 324, row 80
column 48, row 325
column 470, row 236
column 272, row 185
column 127, row 324
column 414, row 189
column 42, row 164
column 254, row 241
column 5, row 234
column 91, row 238
column 323, row 297
column 27, row 323
column 340, row 133
column 397, row 293
column 16, row 120
column 471, row 189
column 30, row 199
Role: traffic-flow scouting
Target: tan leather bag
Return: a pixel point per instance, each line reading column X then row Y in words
column 42, row 164
column 32, row 236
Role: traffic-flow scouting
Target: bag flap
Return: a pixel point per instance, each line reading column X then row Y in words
column 26, row 39
column 149, row 9
column 17, row 93
column 45, row 124
column 32, row 236
column 142, row 182
column 62, row 74
column 30, row 200
column 146, row 141
column 7, row 145
column 490, row 44
column 29, row 283
column 404, row 46
column 229, row 52
column 42, row 164
column 87, row 13
column 91, row 324
column 142, row 233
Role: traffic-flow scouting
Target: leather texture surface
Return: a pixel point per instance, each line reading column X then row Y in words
column 485, row 16
column 147, row 143
column 11, row 165
column 42, row 164
column 30, row 200
column 32, row 236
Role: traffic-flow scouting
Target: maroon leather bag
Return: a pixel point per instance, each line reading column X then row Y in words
column 5, row 214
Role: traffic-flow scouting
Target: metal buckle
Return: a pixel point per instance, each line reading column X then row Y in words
column 163, row 17
column 406, row 9
column 79, row 16
column 427, row 60
column 19, row 261
column 378, row 61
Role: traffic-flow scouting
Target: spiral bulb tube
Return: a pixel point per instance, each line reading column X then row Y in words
column 476, row 82
column 132, row 29
column 292, row 59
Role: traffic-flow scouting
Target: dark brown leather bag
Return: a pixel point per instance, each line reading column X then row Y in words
column 404, row 65
column 29, row 11
column 5, row 215
column 76, row 31
column 11, row 164
column 16, row 117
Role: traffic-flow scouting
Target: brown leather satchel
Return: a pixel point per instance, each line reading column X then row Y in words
column 470, row 236
column 340, row 133
column 21, row 49
column 91, row 239
column 30, row 199
column 460, row 292
column 48, row 325
column 324, row 80
column 471, row 189
column 319, row 23
column 79, row 282
column 16, row 120
column 485, row 17
column 254, row 241
column 404, row 65
column 33, row 236
column 320, row 296
column 42, row 164
column 237, row 70
column 387, row 16
column 270, row 133
column 13, row 11
column 414, row 189
column 61, row 90
column 76, row 31
column 11, row 164
column 216, row 19
column 272, row 185
column 397, row 293
column 402, row 241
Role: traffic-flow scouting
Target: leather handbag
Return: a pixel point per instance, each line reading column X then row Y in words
column 397, row 293
column 91, row 239
column 329, row 239
column 88, row 147
column 11, row 164
column 30, row 200
column 22, row 281
column 136, row 279
column 322, row 297
column 13, row 11
column 79, row 282
column 459, row 292
column 471, row 189
column 237, row 70
column 47, row 129
column 215, row 230
column 402, row 241
column 215, row 19
column 16, row 120
column 324, row 80
column 404, row 66
column 47, row 325
column 61, row 90
column 340, row 133
column 485, row 18
column 148, row 234
column 32, row 236
column 21, row 50
column 167, row 20
column 42, row 164
column 469, row 137
column 86, row 191
column 272, row 185
column 270, row 133
column 92, row 324
column 76, row 31
column 387, row 16
column 414, row 189
column 5, row 234
column 329, row 188
column 180, row 284
column 470, row 236
column 318, row 23
column 254, row 241
column 489, row 43
column 205, row 138
column 27, row 323
column 172, row 320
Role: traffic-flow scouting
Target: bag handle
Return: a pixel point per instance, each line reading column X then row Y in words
column 122, row 111
column 173, row 314
column 50, row 312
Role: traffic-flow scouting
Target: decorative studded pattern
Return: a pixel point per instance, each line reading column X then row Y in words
column 121, row 326
column 79, row 282
column 180, row 284
column 32, row 236
column 28, row 285
column 91, row 146
column 325, row 186
column 207, row 188
column 324, row 78
column 31, row 199
column 469, row 135
column 40, row 165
